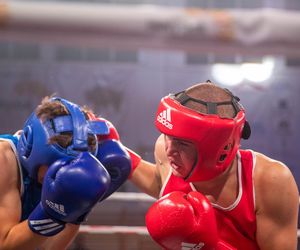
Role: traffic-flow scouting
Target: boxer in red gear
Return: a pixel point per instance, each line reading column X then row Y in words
column 199, row 150
column 180, row 220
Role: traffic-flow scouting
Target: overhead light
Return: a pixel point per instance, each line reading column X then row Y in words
column 234, row 74
column 227, row 74
column 258, row 72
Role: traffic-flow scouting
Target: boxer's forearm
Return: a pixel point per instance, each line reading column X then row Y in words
column 63, row 239
column 146, row 178
column 21, row 237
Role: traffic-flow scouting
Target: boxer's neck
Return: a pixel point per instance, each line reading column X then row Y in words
column 223, row 188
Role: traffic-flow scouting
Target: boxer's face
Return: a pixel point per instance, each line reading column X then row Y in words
column 181, row 154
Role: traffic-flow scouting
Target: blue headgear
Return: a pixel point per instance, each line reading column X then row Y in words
column 34, row 148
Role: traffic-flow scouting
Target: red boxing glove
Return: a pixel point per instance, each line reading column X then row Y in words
column 222, row 245
column 113, row 134
column 180, row 220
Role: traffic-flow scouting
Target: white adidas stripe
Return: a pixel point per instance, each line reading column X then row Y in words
column 46, row 226
column 51, row 229
column 166, row 114
column 169, row 115
column 38, row 222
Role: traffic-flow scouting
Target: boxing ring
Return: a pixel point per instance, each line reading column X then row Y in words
column 118, row 222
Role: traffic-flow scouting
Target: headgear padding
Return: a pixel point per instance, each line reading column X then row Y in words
column 34, row 148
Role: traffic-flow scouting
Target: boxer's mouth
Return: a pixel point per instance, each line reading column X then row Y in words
column 175, row 165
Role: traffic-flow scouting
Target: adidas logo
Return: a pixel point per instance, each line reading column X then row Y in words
column 45, row 226
column 58, row 208
column 165, row 118
column 191, row 246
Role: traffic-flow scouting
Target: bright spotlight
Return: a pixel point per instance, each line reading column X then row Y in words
column 227, row 74
column 258, row 72
column 234, row 74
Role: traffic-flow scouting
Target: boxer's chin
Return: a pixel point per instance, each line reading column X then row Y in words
column 177, row 171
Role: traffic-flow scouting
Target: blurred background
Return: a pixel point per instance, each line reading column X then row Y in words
column 119, row 57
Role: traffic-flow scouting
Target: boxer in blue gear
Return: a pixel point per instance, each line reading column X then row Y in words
column 49, row 172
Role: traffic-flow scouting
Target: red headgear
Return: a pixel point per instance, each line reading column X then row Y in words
column 216, row 139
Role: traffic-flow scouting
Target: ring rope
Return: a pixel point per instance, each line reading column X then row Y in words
column 113, row 229
column 131, row 196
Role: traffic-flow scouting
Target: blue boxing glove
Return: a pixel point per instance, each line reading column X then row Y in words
column 69, row 192
column 116, row 160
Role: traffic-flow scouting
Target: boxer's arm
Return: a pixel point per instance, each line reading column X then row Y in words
column 13, row 234
column 277, row 205
column 62, row 240
column 148, row 176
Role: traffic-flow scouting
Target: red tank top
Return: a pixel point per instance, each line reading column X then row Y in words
column 236, row 223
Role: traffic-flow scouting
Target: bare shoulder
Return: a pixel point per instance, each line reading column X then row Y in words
column 274, row 183
column 159, row 150
column 9, row 169
column 276, row 204
column 161, row 159
column 271, row 172
column 10, row 202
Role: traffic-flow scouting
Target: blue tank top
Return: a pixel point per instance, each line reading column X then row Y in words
column 30, row 189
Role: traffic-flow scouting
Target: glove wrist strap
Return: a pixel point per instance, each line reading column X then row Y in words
column 41, row 223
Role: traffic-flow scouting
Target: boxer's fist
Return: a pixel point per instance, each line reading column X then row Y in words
column 114, row 135
column 70, row 190
column 116, row 160
column 178, row 219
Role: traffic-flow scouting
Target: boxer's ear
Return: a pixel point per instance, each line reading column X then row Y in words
column 246, row 130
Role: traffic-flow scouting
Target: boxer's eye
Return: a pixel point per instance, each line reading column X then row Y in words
column 185, row 145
